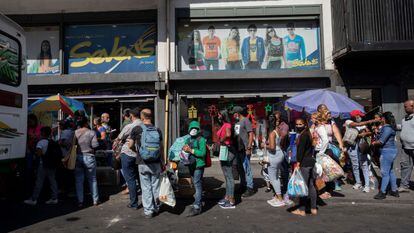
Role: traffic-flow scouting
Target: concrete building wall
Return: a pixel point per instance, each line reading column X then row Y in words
column 70, row 6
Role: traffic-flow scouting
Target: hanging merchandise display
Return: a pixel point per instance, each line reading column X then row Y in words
column 192, row 112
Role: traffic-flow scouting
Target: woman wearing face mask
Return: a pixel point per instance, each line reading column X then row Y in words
column 386, row 141
column 359, row 159
column 276, row 158
column 224, row 135
column 305, row 162
column 196, row 147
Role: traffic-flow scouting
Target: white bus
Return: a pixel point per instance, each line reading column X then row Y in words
column 13, row 98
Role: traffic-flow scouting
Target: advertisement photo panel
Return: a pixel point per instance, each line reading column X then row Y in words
column 249, row 45
column 43, row 50
column 115, row 48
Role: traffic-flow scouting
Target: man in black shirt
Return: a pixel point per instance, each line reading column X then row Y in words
column 149, row 171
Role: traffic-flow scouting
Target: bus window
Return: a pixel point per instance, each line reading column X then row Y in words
column 10, row 57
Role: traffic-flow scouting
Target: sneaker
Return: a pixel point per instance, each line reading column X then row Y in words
column 380, row 196
column 227, row 205
column 222, row 201
column 357, row 186
column 267, row 190
column 338, row 188
column 366, row 190
column 148, row 216
column 394, row 193
column 193, row 212
column 52, row 202
column 276, row 203
column 287, row 200
column 249, row 192
column 132, row 207
column 30, row 202
column 402, row 189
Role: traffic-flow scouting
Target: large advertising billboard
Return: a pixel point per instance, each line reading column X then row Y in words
column 115, row 48
column 250, row 45
column 43, row 50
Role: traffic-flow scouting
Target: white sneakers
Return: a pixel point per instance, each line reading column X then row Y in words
column 33, row 202
column 276, row 203
column 52, row 201
column 357, row 186
column 30, row 202
column 366, row 190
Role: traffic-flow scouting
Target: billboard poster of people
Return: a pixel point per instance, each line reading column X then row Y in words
column 43, row 50
column 115, row 48
column 249, row 45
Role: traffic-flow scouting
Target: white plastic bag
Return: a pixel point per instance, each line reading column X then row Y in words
column 297, row 186
column 166, row 191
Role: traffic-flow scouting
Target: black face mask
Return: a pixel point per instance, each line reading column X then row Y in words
column 300, row 129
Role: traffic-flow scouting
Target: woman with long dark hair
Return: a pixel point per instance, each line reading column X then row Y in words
column 274, row 49
column 388, row 149
column 224, row 135
column 196, row 52
column 305, row 162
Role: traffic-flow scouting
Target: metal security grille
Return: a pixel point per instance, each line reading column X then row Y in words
column 372, row 21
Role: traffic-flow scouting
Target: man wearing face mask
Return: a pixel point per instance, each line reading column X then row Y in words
column 196, row 147
column 243, row 131
column 359, row 159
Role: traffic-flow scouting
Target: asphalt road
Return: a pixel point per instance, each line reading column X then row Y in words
column 348, row 211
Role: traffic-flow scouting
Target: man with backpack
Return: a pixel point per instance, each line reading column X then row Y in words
column 50, row 155
column 128, row 158
column 146, row 139
column 196, row 147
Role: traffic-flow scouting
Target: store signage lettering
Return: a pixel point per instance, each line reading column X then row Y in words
column 118, row 48
column 77, row 92
column 142, row 48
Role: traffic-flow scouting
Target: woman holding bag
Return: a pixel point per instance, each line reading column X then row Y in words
column 306, row 163
column 85, row 161
column 224, row 135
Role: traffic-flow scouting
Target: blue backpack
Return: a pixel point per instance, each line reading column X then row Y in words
column 150, row 144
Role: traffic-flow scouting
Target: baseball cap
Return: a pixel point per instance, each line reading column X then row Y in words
column 237, row 109
column 356, row 112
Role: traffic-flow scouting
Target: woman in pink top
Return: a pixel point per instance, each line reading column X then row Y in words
column 224, row 135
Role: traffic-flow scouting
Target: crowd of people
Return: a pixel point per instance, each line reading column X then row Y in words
column 312, row 146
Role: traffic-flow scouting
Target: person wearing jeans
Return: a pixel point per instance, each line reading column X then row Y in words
column 86, row 166
column 388, row 151
column 358, row 159
column 45, row 169
column 244, row 135
column 128, row 158
column 128, row 164
column 407, row 141
column 85, row 161
column 149, row 176
column 276, row 158
column 196, row 147
column 224, row 135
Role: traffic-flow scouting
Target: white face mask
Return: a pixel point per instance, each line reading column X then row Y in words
column 193, row 132
column 358, row 119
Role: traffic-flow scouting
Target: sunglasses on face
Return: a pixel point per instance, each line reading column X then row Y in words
column 251, row 30
column 290, row 29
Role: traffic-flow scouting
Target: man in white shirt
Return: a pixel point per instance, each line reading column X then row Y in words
column 407, row 141
column 359, row 159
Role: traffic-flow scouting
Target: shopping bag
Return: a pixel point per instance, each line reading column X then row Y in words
column 224, row 153
column 297, row 186
column 166, row 191
column 69, row 161
column 335, row 150
column 330, row 168
column 177, row 146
